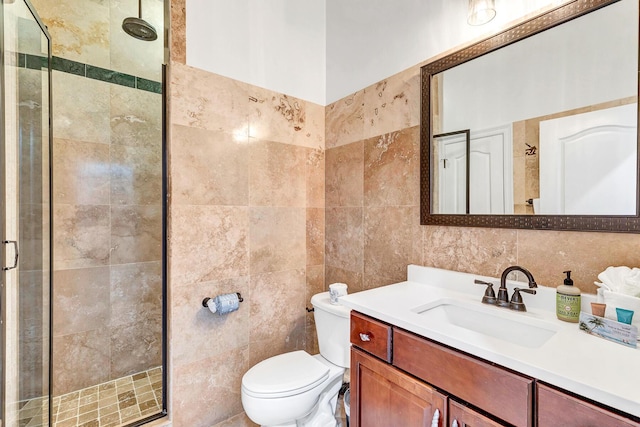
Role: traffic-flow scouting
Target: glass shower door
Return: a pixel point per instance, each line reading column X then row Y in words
column 25, row 212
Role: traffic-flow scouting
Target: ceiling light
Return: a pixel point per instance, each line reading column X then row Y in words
column 481, row 11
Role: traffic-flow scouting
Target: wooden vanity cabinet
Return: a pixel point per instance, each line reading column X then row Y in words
column 384, row 396
column 400, row 379
column 556, row 408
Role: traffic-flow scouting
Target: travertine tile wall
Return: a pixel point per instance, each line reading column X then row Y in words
column 371, row 230
column 372, row 218
column 372, row 174
column 246, row 215
column 107, row 296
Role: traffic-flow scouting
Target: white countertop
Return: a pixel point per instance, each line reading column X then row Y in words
column 592, row 367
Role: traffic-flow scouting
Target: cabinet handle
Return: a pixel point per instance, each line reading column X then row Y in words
column 436, row 418
column 365, row 337
column 15, row 259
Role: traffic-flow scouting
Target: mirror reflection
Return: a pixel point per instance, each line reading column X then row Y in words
column 552, row 123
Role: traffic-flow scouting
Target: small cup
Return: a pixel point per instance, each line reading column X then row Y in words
column 336, row 290
column 598, row 309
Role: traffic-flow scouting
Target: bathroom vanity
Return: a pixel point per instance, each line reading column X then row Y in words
column 410, row 367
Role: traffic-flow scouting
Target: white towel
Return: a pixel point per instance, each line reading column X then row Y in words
column 622, row 280
column 631, row 285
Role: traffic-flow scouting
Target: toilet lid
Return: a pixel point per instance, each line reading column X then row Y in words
column 285, row 375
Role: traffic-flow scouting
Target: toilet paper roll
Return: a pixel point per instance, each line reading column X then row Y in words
column 224, row 304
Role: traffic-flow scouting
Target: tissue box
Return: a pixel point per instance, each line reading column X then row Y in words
column 614, row 299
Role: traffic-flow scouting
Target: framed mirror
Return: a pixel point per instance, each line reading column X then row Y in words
column 549, row 110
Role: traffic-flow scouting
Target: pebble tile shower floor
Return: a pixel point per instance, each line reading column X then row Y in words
column 114, row 403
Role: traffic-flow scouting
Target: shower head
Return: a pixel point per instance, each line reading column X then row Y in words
column 138, row 27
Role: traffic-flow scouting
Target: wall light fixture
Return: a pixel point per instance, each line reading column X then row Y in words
column 481, row 11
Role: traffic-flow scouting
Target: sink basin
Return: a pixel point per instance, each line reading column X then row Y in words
column 489, row 321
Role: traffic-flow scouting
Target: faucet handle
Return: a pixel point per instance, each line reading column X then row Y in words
column 516, row 300
column 489, row 295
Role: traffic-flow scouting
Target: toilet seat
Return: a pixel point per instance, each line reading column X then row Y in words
column 284, row 375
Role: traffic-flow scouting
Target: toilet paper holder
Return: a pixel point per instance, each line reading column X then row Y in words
column 222, row 304
column 206, row 300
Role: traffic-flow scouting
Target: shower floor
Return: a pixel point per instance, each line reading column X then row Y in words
column 111, row 404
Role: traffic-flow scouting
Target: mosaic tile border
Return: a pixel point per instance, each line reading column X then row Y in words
column 37, row 62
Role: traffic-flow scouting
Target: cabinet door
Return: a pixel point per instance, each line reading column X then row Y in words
column 556, row 408
column 467, row 417
column 383, row 396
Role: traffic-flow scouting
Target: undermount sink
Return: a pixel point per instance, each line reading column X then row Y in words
column 489, row 321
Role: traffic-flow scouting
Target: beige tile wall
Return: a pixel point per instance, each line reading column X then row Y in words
column 246, row 215
column 371, row 226
column 107, row 297
column 372, row 214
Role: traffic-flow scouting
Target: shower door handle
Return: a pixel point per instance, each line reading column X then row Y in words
column 15, row 259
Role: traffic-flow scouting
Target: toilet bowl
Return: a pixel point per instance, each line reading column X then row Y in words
column 296, row 388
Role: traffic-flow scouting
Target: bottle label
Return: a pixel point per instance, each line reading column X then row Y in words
column 568, row 307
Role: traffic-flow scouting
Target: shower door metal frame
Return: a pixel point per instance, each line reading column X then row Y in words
column 3, row 326
column 3, row 255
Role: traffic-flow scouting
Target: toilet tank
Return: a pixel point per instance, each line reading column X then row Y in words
column 332, row 327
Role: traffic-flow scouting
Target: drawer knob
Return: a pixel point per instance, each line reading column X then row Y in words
column 365, row 337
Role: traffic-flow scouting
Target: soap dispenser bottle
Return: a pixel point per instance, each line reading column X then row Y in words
column 568, row 300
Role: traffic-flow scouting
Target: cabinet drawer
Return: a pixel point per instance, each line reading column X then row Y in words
column 495, row 390
column 556, row 408
column 371, row 335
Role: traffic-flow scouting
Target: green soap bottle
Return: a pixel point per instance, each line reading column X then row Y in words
column 568, row 300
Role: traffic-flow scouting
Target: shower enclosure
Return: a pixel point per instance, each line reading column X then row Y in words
column 82, row 212
column 25, row 252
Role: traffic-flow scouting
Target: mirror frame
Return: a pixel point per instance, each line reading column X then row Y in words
column 542, row 22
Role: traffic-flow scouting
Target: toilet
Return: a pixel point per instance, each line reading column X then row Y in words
column 296, row 388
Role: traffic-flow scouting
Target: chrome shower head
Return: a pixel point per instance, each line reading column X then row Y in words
column 138, row 27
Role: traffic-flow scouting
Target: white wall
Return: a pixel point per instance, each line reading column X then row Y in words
column 276, row 44
column 323, row 50
column 583, row 67
column 369, row 40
